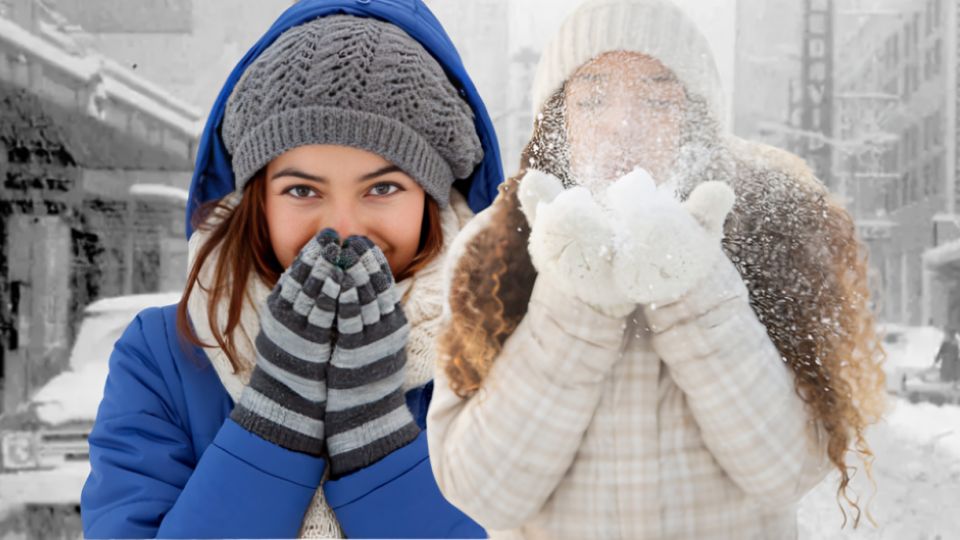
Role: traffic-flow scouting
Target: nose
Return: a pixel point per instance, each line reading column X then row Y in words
column 343, row 219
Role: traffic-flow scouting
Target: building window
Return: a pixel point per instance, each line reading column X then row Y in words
column 916, row 31
column 895, row 49
column 937, row 128
column 907, row 85
column 890, row 192
column 914, row 144
column 937, row 56
column 890, row 156
column 904, row 191
column 916, row 185
column 893, row 194
column 905, row 148
column 938, row 177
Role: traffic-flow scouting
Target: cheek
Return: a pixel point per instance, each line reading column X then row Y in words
column 400, row 228
column 639, row 133
column 289, row 232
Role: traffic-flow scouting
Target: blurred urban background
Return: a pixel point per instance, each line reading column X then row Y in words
column 102, row 103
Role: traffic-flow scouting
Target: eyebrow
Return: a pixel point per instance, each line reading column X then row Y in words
column 296, row 173
column 385, row 170
column 592, row 77
column 664, row 77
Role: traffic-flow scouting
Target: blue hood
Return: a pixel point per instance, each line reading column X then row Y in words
column 213, row 174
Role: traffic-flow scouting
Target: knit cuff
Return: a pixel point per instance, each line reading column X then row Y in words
column 374, row 440
column 276, row 433
column 261, row 414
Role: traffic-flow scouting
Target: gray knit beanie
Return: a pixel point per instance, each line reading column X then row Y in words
column 357, row 82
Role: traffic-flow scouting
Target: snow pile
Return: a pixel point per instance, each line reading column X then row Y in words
column 123, row 305
column 160, row 191
column 915, row 347
column 75, row 394
column 917, row 471
column 926, row 424
column 72, row 395
column 60, row 486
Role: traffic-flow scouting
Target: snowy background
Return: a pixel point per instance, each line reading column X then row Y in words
column 881, row 126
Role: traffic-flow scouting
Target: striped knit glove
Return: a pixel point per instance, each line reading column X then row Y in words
column 286, row 398
column 367, row 415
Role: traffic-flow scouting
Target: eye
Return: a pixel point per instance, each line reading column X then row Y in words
column 384, row 189
column 664, row 104
column 300, row 191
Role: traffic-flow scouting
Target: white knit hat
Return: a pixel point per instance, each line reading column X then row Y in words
column 656, row 28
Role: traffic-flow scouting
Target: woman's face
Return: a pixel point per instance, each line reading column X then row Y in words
column 352, row 191
column 623, row 110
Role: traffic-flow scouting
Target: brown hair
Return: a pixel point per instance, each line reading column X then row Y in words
column 796, row 249
column 240, row 240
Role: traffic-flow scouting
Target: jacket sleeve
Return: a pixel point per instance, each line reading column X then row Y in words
column 740, row 391
column 146, row 479
column 401, row 492
column 499, row 455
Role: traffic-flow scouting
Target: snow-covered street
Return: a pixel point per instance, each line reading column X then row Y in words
column 917, row 471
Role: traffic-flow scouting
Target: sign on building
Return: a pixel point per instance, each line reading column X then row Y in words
column 816, row 86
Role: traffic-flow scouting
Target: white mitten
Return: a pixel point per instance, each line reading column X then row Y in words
column 664, row 247
column 571, row 242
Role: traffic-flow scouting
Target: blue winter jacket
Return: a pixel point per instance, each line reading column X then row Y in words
column 166, row 460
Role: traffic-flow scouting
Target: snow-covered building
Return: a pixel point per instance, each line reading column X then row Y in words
column 941, row 261
column 185, row 46
column 77, row 132
column 895, row 146
column 891, row 134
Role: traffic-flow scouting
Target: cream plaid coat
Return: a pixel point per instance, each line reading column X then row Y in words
column 676, row 422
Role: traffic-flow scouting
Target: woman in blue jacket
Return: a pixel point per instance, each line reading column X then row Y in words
column 286, row 393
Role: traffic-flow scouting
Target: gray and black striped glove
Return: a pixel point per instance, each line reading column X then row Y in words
column 367, row 415
column 285, row 401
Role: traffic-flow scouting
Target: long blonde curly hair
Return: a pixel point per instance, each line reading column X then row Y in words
column 795, row 247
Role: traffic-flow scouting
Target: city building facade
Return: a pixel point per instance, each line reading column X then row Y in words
column 94, row 165
column 865, row 91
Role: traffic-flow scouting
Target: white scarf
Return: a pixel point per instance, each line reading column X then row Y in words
column 422, row 299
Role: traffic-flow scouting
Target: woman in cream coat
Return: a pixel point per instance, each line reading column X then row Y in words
column 618, row 364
